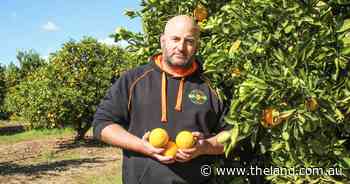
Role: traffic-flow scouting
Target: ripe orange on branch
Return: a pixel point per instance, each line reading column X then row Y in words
column 270, row 117
column 311, row 104
column 200, row 13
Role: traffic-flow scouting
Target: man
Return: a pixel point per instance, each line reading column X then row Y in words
column 170, row 93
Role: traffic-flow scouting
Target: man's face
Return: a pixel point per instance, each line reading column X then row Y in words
column 179, row 43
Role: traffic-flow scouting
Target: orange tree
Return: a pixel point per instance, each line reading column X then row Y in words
column 68, row 89
column 12, row 75
column 87, row 68
column 282, row 67
column 29, row 61
column 2, row 91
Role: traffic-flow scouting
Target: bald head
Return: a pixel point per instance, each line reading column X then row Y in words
column 180, row 41
column 183, row 22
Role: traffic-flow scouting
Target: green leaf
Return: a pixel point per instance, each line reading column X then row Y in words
column 345, row 51
column 276, row 146
column 346, row 161
column 285, row 136
column 289, row 28
column 345, row 26
column 234, row 138
column 235, row 46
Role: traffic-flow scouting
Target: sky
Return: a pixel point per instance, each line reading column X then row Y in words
column 44, row 25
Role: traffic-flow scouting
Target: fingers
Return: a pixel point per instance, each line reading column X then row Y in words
column 188, row 151
column 145, row 136
column 164, row 159
column 168, row 161
column 151, row 148
column 198, row 135
column 181, row 156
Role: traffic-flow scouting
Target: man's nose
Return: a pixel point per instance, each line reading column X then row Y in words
column 180, row 45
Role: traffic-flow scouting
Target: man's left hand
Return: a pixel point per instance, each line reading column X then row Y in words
column 185, row 155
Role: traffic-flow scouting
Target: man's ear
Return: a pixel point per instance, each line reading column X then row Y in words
column 198, row 45
column 162, row 40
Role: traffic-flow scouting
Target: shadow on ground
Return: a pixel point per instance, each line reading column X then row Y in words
column 88, row 142
column 11, row 130
column 9, row 168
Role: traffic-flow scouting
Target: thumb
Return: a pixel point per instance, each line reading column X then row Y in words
column 145, row 136
column 198, row 135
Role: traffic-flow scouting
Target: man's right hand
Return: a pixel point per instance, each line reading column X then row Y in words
column 156, row 152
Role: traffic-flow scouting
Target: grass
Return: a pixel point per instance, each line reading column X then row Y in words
column 36, row 134
column 112, row 176
column 5, row 123
column 49, row 156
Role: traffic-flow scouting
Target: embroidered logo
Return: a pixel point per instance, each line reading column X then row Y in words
column 197, row 97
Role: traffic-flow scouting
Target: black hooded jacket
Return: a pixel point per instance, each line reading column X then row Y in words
column 135, row 102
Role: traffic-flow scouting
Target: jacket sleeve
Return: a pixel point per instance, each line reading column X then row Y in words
column 221, row 109
column 113, row 108
column 222, row 125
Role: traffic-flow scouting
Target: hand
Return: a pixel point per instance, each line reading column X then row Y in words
column 156, row 152
column 185, row 155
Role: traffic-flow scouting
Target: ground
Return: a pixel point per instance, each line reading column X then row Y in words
column 49, row 158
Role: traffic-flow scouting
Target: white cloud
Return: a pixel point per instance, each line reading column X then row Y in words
column 50, row 27
column 108, row 41
column 123, row 43
column 46, row 57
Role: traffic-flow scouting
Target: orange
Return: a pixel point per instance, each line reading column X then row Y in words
column 200, row 13
column 311, row 104
column 170, row 149
column 158, row 138
column 184, row 140
column 270, row 117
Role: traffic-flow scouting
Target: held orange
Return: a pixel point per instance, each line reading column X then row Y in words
column 170, row 149
column 158, row 138
column 184, row 140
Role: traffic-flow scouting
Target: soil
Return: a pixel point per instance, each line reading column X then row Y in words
column 60, row 160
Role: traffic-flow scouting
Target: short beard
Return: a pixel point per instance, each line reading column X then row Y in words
column 186, row 64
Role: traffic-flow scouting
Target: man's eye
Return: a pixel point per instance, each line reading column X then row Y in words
column 190, row 41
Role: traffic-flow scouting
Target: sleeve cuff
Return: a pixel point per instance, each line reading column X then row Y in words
column 98, row 127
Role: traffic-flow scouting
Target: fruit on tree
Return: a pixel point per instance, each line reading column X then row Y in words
column 270, row 117
column 311, row 104
column 200, row 13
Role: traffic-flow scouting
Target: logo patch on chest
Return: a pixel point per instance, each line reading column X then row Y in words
column 197, row 97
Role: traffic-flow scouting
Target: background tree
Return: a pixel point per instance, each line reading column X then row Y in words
column 67, row 90
column 281, row 66
column 11, row 75
column 29, row 61
column 2, row 91
column 87, row 68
